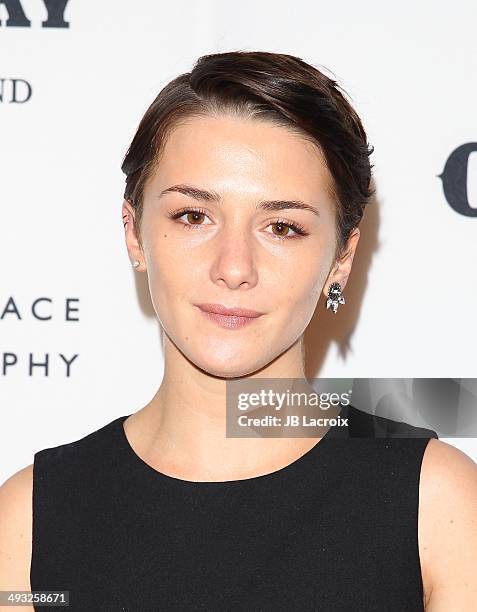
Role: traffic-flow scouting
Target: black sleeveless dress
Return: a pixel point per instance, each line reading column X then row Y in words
column 336, row 530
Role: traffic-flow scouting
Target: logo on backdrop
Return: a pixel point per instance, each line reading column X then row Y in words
column 17, row 18
column 42, row 310
column 15, row 91
column 454, row 179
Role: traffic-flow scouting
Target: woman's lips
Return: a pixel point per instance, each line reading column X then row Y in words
column 230, row 318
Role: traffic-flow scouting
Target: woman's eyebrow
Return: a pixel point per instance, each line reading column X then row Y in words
column 204, row 195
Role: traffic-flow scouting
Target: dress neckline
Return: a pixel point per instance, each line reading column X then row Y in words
column 282, row 472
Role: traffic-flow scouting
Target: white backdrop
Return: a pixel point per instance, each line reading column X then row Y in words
column 410, row 69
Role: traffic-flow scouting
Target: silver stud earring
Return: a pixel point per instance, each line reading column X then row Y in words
column 136, row 263
column 334, row 297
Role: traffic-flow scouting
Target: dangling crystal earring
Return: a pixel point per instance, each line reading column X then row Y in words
column 136, row 263
column 334, row 297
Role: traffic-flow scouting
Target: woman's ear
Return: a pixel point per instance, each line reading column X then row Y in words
column 342, row 268
column 135, row 252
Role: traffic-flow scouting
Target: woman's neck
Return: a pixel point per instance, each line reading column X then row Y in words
column 182, row 430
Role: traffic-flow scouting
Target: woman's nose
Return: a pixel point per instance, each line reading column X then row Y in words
column 234, row 260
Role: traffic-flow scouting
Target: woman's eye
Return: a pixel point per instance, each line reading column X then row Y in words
column 193, row 218
column 287, row 230
column 283, row 230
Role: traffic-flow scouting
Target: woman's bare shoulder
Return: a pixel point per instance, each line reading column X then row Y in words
column 16, row 532
column 448, row 527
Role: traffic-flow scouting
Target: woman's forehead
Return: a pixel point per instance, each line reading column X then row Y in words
column 241, row 154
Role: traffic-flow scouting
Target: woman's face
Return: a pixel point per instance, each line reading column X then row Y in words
column 234, row 251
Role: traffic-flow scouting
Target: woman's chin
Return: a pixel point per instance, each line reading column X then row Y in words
column 229, row 373
column 227, row 366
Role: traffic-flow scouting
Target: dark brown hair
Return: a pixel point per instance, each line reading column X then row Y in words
column 267, row 86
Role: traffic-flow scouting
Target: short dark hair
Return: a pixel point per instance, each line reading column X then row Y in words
column 267, row 86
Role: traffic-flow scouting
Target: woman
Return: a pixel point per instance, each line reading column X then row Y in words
column 246, row 182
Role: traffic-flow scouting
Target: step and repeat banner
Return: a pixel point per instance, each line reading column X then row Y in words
column 79, row 340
